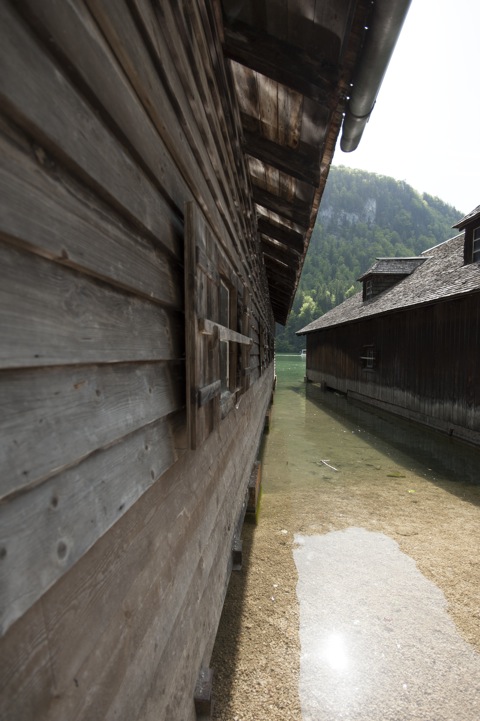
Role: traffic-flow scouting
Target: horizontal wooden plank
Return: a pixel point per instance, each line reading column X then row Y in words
column 69, row 25
column 205, row 394
column 44, row 532
column 140, row 567
column 39, row 97
column 51, row 315
column 54, row 417
column 58, row 218
column 226, row 334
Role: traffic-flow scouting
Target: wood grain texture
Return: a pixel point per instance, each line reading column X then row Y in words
column 202, row 281
column 53, row 418
column 70, row 129
column 131, row 591
column 43, row 207
column 204, row 171
column 27, row 684
column 50, row 315
column 206, row 327
column 70, row 27
column 43, row 533
column 440, row 388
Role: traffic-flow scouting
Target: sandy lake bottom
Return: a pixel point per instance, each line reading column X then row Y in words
column 359, row 596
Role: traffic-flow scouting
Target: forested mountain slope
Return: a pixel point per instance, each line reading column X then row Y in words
column 362, row 216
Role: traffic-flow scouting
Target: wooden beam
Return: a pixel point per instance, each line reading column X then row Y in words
column 205, row 394
column 203, row 693
column 280, row 252
column 254, row 486
column 207, row 327
column 294, row 162
column 283, row 234
column 281, row 273
column 279, row 61
column 298, row 213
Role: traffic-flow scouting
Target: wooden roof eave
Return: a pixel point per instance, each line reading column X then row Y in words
column 279, row 61
column 326, row 85
column 299, row 164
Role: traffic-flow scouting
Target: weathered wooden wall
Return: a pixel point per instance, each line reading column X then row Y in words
column 115, row 537
column 425, row 367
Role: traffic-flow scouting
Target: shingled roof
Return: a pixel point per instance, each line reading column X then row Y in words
column 468, row 218
column 393, row 266
column 442, row 275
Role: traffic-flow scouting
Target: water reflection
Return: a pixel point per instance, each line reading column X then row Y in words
column 334, row 651
column 441, row 454
column 376, row 641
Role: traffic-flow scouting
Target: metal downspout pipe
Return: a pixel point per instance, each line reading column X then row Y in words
column 380, row 40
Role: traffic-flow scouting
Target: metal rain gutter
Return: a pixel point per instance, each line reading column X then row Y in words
column 380, row 40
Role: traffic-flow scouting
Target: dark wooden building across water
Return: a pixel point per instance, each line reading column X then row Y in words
column 409, row 342
column 162, row 163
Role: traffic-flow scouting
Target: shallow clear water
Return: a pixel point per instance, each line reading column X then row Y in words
column 376, row 640
column 326, row 420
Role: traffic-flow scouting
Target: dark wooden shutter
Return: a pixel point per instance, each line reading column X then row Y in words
column 202, row 281
column 206, row 263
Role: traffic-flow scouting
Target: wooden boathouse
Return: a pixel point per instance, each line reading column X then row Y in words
column 409, row 342
column 162, row 163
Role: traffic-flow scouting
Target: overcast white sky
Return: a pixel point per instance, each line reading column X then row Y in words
column 425, row 127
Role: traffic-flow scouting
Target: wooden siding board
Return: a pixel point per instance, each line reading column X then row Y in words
column 427, row 358
column 55, row 417
column 70, row 26
column 215, row 569
column 112, row 524
column 129, row 589
column 59, row 219
column 70, row 129
column 44, row 533
column 180, row 131
column 188, row 75
column 27, row 684
column 52, row 315
column 154, row 75
column 202, row 59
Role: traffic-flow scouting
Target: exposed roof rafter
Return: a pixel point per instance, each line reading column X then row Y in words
column 294, row 162
column 283, row 234
column 279, row 61
column 298, row 213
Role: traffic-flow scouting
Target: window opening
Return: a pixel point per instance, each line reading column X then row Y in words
column 368, row 357
column 224, row 319
column 476, row 245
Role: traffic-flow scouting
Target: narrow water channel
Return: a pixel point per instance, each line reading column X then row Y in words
column 359, row 596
